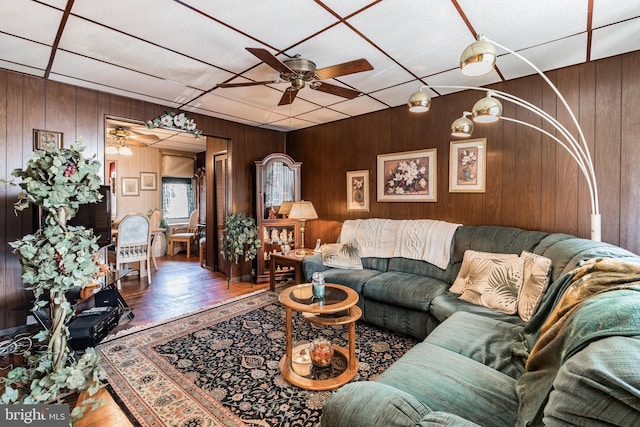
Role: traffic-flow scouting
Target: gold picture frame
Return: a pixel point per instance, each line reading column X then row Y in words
column 46, row 139
column 468, row 166
column 408, row 177
column 130, row 186
column 148, row 181
column 358, row 191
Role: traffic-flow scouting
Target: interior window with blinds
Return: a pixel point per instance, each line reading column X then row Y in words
column 177, row 187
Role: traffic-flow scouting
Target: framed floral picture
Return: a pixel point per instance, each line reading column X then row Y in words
column 358, row 191
column 148, row 181
column 407, row 177
column 467, row 166
column 130, row 187
column 46, row 139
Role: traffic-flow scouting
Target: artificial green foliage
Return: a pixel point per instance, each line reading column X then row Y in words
column 55, row 259
column 240, row 238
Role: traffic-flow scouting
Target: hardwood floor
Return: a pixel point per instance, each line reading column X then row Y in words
column 179, row 286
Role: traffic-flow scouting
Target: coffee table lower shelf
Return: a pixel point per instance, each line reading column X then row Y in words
column 313, row 384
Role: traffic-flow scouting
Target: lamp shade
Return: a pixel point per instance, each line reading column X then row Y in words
column 487, row 110
column 462, row 127
column 111, row 149
column 419, row 102
column 285, row 208
column 303, row 211
column 478, row 58
column 125, row 151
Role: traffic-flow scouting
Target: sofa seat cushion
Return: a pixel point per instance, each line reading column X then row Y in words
column 404, row 289
column 445, row 305
column 483, row 339
column 450, row 382
column 354, row 279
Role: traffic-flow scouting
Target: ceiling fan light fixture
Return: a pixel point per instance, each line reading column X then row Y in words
column 125, row 151
column 111, row 149
column 478, row 58
column 419, row 102
column 487, row 110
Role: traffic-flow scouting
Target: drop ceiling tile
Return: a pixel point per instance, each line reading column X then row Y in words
column 549, row 56
column 233, row 108
column 323, row 115
column 522, row 24
column 397, row 95
column 341, row 44
column 616, row 39
column 24, row 53
column 30, row 20
column 346, row 8
column 289, row 124
column 279, row 24
column 21, row 68
column 604, row 13
column 192, row 34
column 95, row 41
column 266, row 97
column 412, row 33
column 456, row 78
column 83, row 68
column 359, row 105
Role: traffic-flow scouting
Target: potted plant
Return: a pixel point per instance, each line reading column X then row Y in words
column 55, row 259
column 240, row 239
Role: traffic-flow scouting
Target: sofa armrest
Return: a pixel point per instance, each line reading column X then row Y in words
column 372, row 404
column 311, row 264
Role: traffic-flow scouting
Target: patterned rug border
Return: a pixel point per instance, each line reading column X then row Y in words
column 146, row 326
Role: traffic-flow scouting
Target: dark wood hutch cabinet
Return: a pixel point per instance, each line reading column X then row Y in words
column 277, row 182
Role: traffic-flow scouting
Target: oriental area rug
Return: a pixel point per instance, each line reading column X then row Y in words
column 220, row 366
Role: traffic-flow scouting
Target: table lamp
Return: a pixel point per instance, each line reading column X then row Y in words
column 302, row 211
column 285, row 208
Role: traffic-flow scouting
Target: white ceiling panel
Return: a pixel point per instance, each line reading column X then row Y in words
column 24, row 53
column 518, row 24
column 411, row 33
column 174, row 53
column 616, row 39
column 278, row 23
column 109, row 75
column 606, row 12
column 30, row 20
column 549, row 56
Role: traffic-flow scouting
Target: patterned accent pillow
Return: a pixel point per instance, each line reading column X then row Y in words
column 458, row 285
column 536, row 279
column 341, row 255
column 494, row 283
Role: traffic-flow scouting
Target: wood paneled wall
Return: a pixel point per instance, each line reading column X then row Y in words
column 28, row 103
column 531, row 181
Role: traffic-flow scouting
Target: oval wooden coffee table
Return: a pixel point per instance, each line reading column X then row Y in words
column 338, row 308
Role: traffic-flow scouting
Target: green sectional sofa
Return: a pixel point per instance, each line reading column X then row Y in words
column 575, row 362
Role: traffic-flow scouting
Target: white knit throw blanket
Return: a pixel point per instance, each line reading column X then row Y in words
column 421, row 239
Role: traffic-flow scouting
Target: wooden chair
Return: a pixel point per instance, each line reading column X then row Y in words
column 187, row 236
column 133, row 243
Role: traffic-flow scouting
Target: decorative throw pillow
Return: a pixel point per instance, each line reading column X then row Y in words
column 458, row 285
column 536, row 279
column 494, row 283
column 341, row 255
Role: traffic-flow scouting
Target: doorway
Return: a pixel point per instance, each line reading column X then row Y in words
column 221, row 207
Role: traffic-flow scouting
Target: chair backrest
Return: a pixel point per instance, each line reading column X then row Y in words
column 134, row 229
column 155, row 219
column 193, row 220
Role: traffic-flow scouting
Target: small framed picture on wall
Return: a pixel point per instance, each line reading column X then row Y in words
column 46, row 139
column 358, row 191
column 467, row 166
column 130, row 187
column 148, row 181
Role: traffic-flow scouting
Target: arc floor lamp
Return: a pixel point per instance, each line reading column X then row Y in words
column 479, row 58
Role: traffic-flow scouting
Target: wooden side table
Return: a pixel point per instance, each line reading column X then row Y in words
column 288, row 260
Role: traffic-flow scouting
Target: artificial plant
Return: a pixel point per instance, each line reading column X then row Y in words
column 55, row 259
column 240, row 240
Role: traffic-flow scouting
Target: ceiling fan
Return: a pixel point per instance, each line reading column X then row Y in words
column 299, row 71
column 121, row 139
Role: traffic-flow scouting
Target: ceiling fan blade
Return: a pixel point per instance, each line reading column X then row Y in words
column 143, row 137
column 343, row 69
column 270, row 60
column 249, row 83
column 288, row 96
column 336, row 90
column 135, row 143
